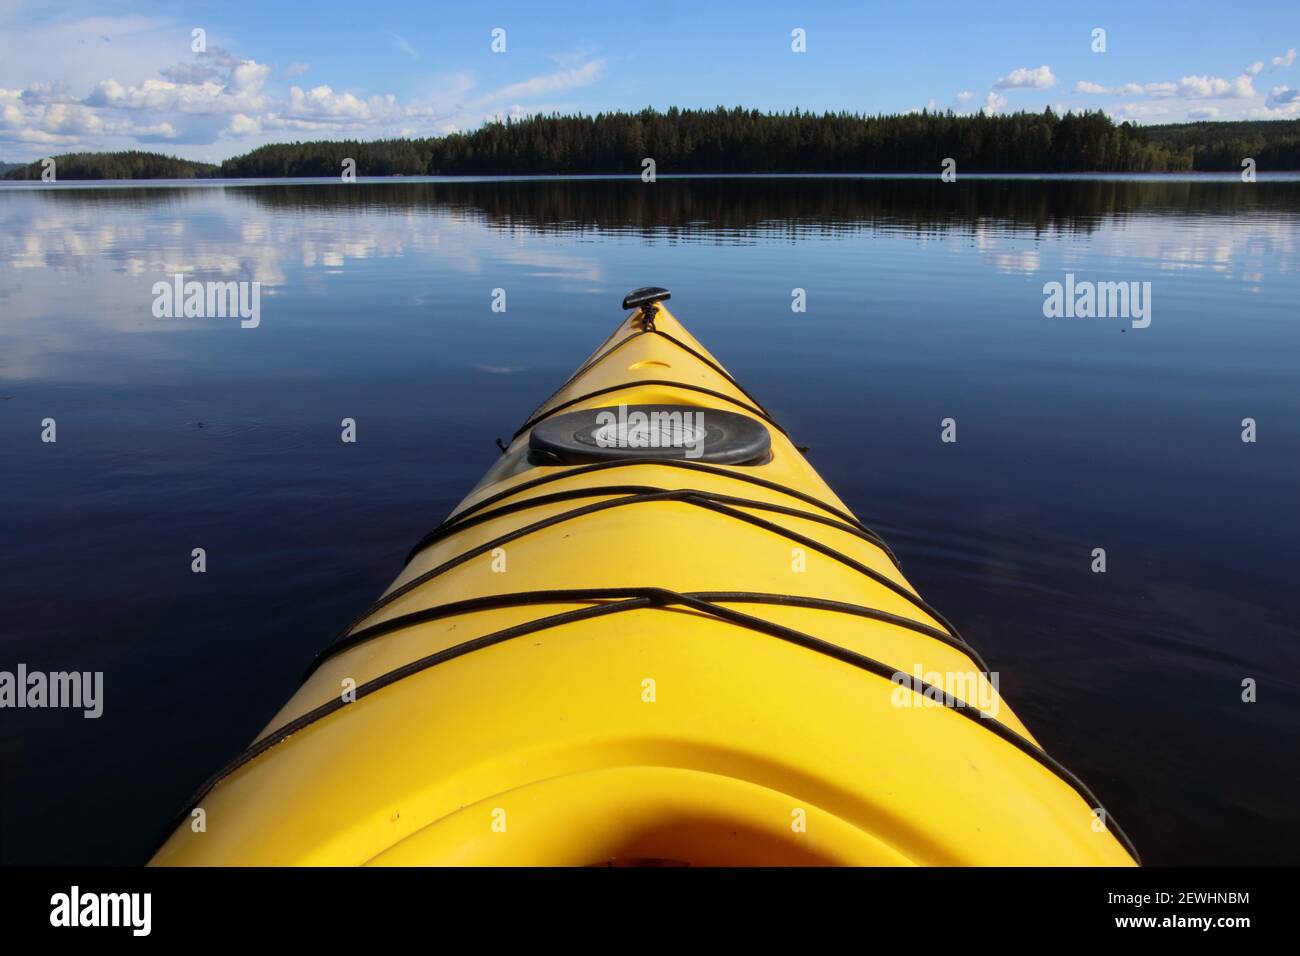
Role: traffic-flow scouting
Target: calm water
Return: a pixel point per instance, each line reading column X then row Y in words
column 924, row 302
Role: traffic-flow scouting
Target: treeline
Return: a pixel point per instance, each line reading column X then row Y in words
column 745, row 141
column 128, row 165
column 748, row 206
column 737, row 141
column 1273, row 144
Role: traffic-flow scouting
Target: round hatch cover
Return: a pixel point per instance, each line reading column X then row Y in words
column 651, row 431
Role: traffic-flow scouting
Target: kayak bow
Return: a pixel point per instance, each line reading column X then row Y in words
column 650, row 634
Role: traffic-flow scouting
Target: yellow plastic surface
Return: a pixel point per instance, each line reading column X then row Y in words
column 652, row 736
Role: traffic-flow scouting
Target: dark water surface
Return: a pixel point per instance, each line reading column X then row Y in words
column 924, row 302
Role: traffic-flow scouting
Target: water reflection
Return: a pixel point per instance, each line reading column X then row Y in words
column 737, row 207
column 265, row 232
column 924, row 300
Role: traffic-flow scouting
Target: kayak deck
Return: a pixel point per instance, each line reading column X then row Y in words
column 648, row 661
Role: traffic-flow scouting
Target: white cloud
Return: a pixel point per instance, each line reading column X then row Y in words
column 162, row 96
column 1282, row 96
column 237, row 88
column 1024, row 78
column 212, row 65
column 1148, row 89
column 1287, row 111
column 58, row 123
column 1145, row 110
column 39, row 92
column 964, row 97
column 545, row 83
column 572, row 58
column 1215, row 87
column 1189, row 87
column 322, row 103
column 248, row 76
column 993, row 103
column 1249, row 102
column 242, row 125
column 1205, row 96
column 404, row 45
column 121, row 86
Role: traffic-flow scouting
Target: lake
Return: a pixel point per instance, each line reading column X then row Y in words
column 924, row 301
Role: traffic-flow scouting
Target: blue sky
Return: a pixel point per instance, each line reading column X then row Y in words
column 112, row 75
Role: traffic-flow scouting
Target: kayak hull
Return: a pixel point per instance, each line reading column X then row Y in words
column 736, row 707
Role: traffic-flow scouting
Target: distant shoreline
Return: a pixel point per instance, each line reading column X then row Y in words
column 1279, row 176
column 736, row 141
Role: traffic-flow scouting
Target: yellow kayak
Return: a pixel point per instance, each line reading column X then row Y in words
column 651, row 635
